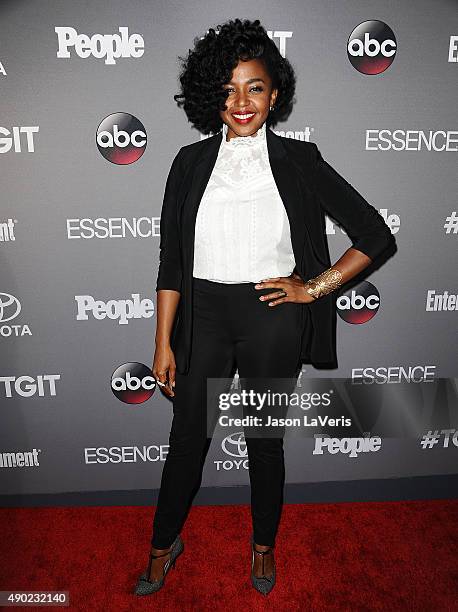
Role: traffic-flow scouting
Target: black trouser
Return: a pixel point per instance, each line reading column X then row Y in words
column 232, row 329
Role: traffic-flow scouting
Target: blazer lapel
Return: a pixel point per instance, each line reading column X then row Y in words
column 285, row 177
column 201, row 172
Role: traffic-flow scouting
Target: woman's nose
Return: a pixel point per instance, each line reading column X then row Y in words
column 242, row 100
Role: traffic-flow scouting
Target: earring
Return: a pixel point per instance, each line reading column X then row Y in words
column 271, row 108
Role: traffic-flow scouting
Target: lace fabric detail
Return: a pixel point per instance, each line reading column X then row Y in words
column 244, row 141
column 242, row 231
column 242, row 159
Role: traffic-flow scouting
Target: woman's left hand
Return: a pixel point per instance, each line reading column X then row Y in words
column 293, row 285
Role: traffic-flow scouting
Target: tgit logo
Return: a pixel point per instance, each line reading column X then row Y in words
column 121, row 138
column 359, row 304
column 133, row 383
column 371, row 47
column 18, row 138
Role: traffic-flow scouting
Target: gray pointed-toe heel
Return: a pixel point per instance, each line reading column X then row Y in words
column 145, row 586
column 264, row 584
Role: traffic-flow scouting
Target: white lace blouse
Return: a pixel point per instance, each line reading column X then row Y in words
column 242, row 231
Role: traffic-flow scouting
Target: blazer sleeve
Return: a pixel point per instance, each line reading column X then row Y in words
column 364, row 225
column 170, row 270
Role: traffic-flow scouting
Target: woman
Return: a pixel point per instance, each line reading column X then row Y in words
column 243, row 259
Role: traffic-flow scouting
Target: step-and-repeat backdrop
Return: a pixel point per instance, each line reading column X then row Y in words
column 88, row 131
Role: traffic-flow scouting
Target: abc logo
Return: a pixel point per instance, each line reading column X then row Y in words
column 359, row 304
column 121, row 138
column 133, row 383
column 371, row 47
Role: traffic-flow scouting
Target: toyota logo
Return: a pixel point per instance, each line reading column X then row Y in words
column 10, row 307
column 235, row 445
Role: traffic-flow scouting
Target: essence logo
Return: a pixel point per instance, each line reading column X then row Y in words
column 133, row 383
column 371, row 47
column 359, row 304
column 121, row 138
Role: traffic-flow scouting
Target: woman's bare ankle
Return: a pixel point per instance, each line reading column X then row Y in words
column 160, row 551
column 157, row 565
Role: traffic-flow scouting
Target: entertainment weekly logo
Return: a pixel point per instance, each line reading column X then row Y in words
column 371, row 47
column 441, row 301
column 109, row 47
column 302, row 135
column 20, row 459
column 7, row 230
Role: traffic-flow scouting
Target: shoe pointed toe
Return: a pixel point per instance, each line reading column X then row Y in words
column 145, row 586
column 263, row 585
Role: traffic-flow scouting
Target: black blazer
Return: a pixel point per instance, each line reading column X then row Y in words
column 308, row 187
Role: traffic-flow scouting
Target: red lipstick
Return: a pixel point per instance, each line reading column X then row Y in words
column 243, row 118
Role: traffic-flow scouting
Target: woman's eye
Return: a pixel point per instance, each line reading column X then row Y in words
column 257, row 88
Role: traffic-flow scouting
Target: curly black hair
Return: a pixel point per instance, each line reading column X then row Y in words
column 209, row 66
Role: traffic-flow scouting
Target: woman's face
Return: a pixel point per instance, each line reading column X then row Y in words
column 251, row 94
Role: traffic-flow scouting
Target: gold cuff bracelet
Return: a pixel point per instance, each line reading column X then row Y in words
column 324, row 283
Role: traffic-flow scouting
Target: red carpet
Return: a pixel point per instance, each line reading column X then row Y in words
column 386, row 556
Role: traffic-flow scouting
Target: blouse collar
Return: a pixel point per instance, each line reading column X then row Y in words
column 244, row 141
